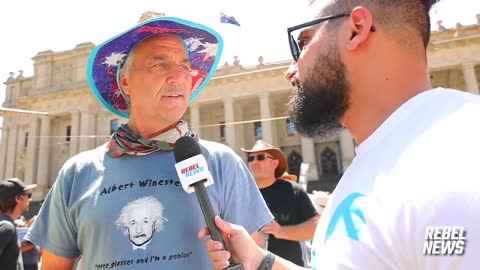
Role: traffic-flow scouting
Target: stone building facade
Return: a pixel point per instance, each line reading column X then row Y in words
column 53, row 115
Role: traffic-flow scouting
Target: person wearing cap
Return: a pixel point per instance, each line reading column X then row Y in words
column 148, row 74
column 295, row 216
column 15, row 198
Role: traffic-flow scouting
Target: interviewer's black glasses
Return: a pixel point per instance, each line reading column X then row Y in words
column 294, row 48
column 29, row 195
column 259, row 157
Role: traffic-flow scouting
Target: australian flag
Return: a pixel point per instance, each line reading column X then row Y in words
column 228, row 19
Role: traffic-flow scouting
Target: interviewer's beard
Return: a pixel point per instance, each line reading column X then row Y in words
column 319, row 102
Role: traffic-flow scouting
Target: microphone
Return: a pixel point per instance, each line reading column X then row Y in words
column 192, row 169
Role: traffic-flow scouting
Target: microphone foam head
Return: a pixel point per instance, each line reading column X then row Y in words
column 186, row 147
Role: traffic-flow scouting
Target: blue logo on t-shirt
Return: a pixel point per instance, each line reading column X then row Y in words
column 348, row 219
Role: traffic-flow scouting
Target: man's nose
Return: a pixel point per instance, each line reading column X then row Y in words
column 138, row 228
column 291, row 71
column 177, row 76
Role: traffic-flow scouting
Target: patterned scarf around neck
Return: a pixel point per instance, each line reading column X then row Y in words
column 123, row 141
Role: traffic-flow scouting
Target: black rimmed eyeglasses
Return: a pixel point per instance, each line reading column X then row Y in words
column 294, row 48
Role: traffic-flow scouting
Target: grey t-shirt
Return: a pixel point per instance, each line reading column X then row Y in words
column 132, row 213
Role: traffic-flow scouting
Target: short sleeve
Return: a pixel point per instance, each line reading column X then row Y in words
column 305, row 209
column 54, row 228
column 244, row 204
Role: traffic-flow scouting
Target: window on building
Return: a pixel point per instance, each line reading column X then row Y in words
column 329, row 162
column 294, row 162
column 113, row 125
column 290, row 127
column 222, row 129
column 25, row 143
column 68, row 133
column 258, row 129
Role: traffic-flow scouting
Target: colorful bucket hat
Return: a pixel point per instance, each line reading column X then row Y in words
column 203, row 44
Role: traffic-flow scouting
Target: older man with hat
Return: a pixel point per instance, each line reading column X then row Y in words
column 295, row 216
column 101, row 201
column 15, row 198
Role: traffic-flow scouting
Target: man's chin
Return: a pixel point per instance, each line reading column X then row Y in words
column 325, row 131
column 173, row 115
column 139, row 243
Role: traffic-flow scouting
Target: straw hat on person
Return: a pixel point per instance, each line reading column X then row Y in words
column 262, row 146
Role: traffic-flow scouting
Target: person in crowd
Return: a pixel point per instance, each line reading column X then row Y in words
column 295, row 216
column 15, row 199
column 149, row 74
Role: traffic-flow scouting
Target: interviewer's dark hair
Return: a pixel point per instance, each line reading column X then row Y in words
column 400, row 19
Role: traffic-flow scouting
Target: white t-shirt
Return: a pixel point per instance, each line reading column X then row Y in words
column 418, row 170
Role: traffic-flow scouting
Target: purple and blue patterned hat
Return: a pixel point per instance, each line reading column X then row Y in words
column 203, row 44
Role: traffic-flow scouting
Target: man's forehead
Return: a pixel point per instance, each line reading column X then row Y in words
column 161, row 44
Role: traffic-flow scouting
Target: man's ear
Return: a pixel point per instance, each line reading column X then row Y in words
column 361, row 25
column 276, row 162
column 124, row 83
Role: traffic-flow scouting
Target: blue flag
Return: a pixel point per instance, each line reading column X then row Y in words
column 228, row 19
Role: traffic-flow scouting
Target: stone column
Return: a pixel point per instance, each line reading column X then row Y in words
column 230, row 136
column 44, row 154
column 74, row 132
column 266, row 113
column 12, row 151
column 87, row 131
column 32, row 152
column 3, row 150
column 240, row 129
column 308, row 156
column 470, row 78
column 347, row 148
column 195, row 117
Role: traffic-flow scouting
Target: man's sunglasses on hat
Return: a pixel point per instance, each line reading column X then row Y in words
column 260, row 157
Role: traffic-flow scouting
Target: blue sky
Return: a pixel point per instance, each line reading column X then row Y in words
column 31, row 26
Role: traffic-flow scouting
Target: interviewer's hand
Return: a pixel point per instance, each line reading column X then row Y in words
column 239, row 243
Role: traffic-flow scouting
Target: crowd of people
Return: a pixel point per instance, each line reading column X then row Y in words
column 359, row 65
